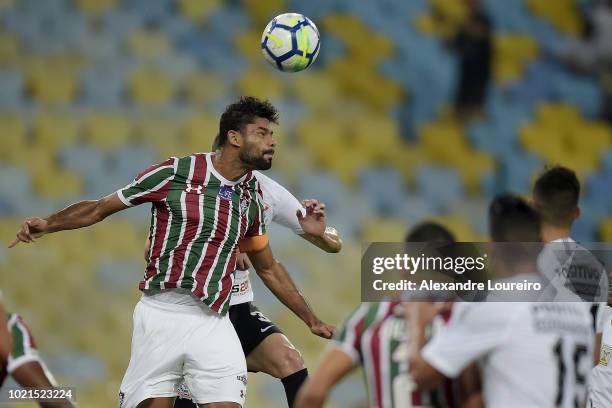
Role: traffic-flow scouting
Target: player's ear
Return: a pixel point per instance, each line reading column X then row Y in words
column 234, row 138
column 577, row 213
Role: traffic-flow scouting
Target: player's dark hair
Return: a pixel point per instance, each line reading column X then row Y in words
column 241, row 113
column 555, row 196
column 511, row 219
column 430, row 232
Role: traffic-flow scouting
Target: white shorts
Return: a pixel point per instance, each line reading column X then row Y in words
column 172, row 342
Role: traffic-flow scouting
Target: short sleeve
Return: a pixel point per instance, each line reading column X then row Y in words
column 283, row 205
column 348, row 335
column 473, row 330
column 151, row 185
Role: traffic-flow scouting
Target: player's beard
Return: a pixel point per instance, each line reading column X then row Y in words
column 254, row 160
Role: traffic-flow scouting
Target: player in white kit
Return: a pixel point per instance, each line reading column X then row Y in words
column 530, row 354
column 555, row 196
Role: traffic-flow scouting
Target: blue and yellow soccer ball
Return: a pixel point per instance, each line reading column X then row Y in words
column 290, row 42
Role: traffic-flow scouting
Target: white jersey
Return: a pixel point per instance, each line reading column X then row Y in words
column 574, row 273
column 530, row 354
column 600, row 386
column 280, row 206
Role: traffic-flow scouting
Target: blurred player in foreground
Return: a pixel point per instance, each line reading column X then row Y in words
column 375, row 337
column 555, row 195
column 530, row 354
column 204, row 207
column 19, row 358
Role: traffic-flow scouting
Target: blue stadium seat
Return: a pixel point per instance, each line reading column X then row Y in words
column 15, row 185
column 597, row 188
column 414, row 208
column 580, row 91
column 491, row 137
column 606, row 162
column 103, row 87
column 152, row 11
column 517, row 169
column 439, row 185
column 128, row 161
column 324, row 187
column 80, row 367
column 385, row 185
column 120, row 23
column 11, row 89
column 86, row 161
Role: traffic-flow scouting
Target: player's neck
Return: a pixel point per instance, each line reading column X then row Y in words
column 228, row 166
column 553, row 232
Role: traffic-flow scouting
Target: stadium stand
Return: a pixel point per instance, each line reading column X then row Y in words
column 92, row 91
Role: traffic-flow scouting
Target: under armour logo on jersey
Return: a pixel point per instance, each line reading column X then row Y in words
column 190, row 188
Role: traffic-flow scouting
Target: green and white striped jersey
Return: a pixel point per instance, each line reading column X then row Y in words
column 376, row 337
column 197, row 220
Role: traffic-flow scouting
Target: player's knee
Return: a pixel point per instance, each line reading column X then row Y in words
column 289, row 361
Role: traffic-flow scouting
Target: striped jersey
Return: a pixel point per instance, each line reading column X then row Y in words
column 197, row 220
column 376, row 337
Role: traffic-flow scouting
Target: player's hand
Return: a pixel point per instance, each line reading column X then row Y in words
column 30, row 230
column 313, row 222
column 322, row 329
column 242, row 262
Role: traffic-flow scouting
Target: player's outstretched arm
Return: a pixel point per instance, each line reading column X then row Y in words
column 78, row 215
column 315, row 228
column 335, row 365
column 277, row 279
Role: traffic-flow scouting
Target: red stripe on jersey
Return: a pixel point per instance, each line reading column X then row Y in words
column 192, row 208
column 153, row 196
column 226, row 285
column 416, row 398
column 168, row 162
column 375, row 349
column 163, row 214
column 213, row 247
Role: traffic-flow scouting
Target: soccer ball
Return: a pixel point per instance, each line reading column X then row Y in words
column 290, row 42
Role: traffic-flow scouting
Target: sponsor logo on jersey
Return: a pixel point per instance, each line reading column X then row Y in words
column 190, row 188
column 241, row 288
column 606, row 353
column 242, row 379
column 226, row 192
